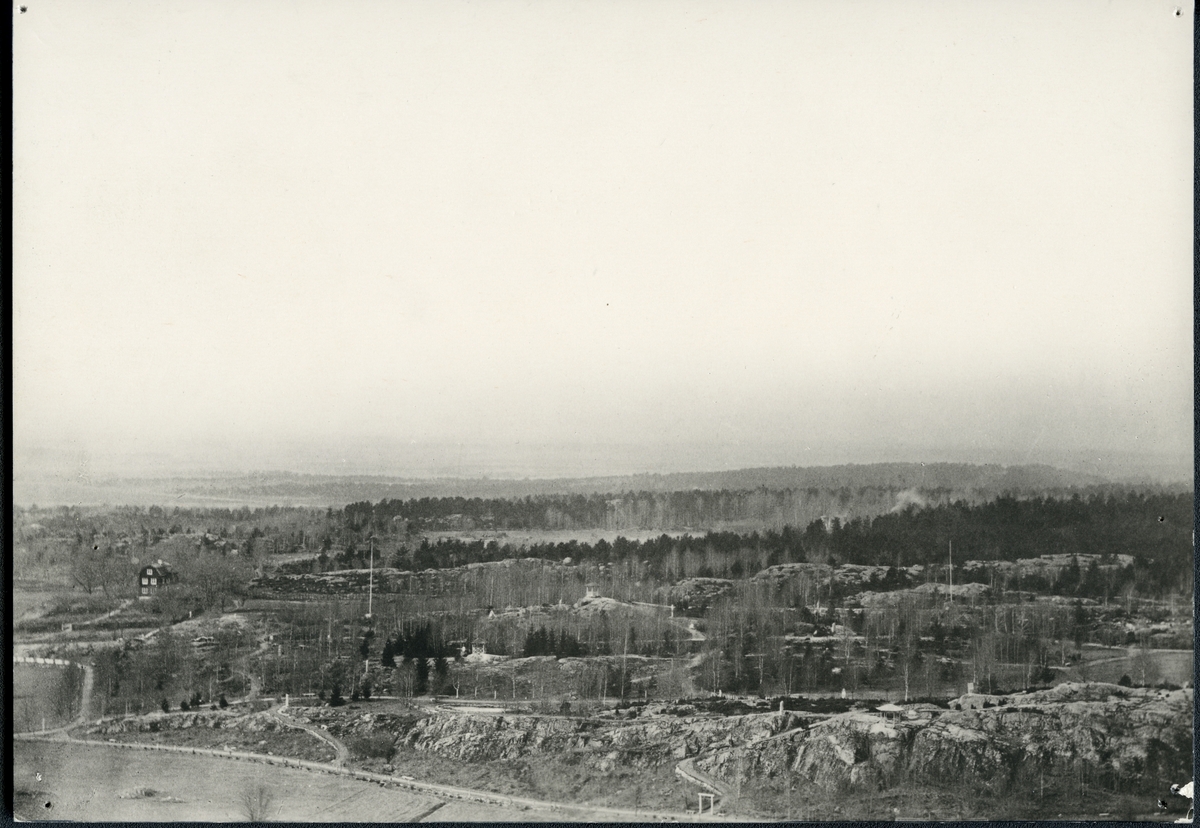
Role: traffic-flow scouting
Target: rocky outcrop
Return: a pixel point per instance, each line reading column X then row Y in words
column 240, row 719
column 386, row 579
column 1047, row 566
column 846, row 576
column 969, row 592
column 647, row 740
column 870, row 579
column 696, row 593
column 1132, row 737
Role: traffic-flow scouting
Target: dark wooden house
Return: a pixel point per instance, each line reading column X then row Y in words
column 153, row 577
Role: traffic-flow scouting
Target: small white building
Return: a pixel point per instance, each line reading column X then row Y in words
column 890, row 712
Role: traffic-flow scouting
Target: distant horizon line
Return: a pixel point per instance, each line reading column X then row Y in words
column 226, row 472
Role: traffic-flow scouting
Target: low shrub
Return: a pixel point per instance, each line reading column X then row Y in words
column 372, row 746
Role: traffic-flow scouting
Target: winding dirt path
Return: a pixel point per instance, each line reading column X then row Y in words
column 242, row 664
column 688, row 771
column 126, row 604
column 343, row 752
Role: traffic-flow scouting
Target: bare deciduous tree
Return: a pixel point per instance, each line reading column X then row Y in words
column 256, row 802
column 93, row 567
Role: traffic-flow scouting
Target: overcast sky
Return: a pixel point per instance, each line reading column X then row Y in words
column 727, row 233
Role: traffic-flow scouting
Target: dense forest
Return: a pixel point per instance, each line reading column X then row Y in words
column 761, row 507
column 1154, row 529
column 630, row 510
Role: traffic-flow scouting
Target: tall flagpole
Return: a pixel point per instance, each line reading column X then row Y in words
column 951, row 572
column 370, row 597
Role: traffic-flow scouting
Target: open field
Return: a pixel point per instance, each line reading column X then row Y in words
column 90, row 783
column 478, row 812
column 1172, row 666
column 64, row 781
column 31, row 599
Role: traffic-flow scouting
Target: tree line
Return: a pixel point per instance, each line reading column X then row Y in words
column 627, row 510
column 1154, row 529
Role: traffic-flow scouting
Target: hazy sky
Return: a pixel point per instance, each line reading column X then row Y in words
column 767, row 231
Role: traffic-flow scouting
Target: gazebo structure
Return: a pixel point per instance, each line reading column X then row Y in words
column 890, row 712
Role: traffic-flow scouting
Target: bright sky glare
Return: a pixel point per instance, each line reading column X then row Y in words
column 873, row 230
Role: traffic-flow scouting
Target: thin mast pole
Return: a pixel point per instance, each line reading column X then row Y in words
column 951, row 572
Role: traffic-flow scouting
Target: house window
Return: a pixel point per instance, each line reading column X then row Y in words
column 145, row 590
column 154, row 582
column 145, row 581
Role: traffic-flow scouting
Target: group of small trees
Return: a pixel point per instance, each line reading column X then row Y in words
column 539, row 642
column 68, row 692
column 195, row 703
column 415, row 640
column 93, row 567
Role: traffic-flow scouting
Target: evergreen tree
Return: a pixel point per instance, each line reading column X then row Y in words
column 422, row 666
column 441, row 671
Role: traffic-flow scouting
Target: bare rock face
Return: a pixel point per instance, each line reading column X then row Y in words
column 603, row 744
column 1133, row 737
column 215, row 719
column 846, row 576
column 945, row 750
column 472, row 738
column 1047, row 566
column 969, row 592
column 817, row 573
column 644, row 742
column 696, row 593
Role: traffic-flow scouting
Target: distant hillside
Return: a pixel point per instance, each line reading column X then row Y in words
column 954, row 476
column 956, row 480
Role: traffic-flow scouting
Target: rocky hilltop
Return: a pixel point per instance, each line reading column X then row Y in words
column 1119, row 737
column 867, row 578
column 1129, row 739
column 243, row 728
column 639, row 737
column 386, row 579
column 1045, row 746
